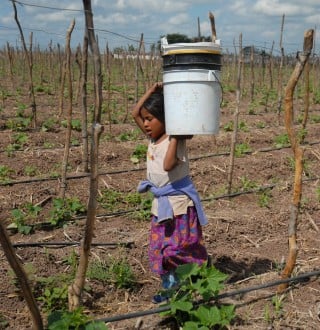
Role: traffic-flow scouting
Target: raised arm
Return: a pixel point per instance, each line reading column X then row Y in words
column 136, row 110
column 171, row 158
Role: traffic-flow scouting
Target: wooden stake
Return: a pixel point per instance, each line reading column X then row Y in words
column 298, row 155
column 213, row 27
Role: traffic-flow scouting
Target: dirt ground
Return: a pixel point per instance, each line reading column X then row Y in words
column 247, row 240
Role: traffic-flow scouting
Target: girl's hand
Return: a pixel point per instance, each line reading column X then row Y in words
column 157, row 85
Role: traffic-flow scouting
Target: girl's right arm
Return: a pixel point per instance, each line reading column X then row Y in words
column 136, row 110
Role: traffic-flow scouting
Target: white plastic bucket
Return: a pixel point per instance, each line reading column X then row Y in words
column 191, row 87
column 192, row 101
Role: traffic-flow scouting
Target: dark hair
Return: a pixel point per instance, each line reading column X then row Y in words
column 155, row 105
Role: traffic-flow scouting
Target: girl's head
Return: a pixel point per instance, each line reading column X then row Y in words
column 155, row 105
column 152, row 113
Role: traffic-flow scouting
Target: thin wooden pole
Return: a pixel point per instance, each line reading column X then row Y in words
column 298, row 156
column 236, row 118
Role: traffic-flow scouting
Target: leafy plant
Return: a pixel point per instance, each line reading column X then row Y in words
column 30, row 170
column 5, row 172
column 64, row 209
column 144, row 211
column 65, row 320
column 54, row 298
column 241, row 149
column 110, row 199
column 281, row 141
column 128, row 136
column 116, row 271
column 264, row 198
column 121, row 273
column 19, row 141
column 242, row 126
column 114, row 200
column 18, row 123
column 228, row 127
column 75, row 124
column 247, row 184
column 199, row 282
column 49, row 124
column 98, row 270
column 24, row 215
column 139, row 153
column 277, row 302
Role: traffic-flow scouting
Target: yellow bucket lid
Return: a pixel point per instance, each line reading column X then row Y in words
column 190, row 48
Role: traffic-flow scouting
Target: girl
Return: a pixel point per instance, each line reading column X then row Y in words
column 177, row 214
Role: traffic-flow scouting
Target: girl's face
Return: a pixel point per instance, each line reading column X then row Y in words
column 153, row 126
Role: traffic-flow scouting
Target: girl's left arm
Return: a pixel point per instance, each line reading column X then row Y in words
column 171, row 159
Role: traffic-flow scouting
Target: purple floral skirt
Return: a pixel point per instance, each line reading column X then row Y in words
column 176, row 242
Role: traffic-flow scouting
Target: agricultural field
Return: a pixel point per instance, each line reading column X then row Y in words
column 247, row 234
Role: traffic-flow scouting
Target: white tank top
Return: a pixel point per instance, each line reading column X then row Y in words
column 159, row 177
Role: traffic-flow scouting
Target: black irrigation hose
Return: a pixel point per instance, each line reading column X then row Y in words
column 209, row 199
column 298, row 278
column 84, row 175
column 36, row 244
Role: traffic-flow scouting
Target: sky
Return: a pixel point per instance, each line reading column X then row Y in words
column 120, row 23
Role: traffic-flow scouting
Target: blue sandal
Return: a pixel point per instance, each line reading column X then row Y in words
column 160, row 298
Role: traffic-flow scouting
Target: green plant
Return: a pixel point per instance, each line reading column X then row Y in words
column 247, row 184
column 49, row 124
column 228, row 127
column 19, row 141
column 64, row 209
column 20, row 110
column 116, row 271
column 54, row 298
column 128, row 136
column 114, row 200
column 252, row 107
column 98, row 270
column 241, row 149
column 18, row 123
column 277, row 302
column 121, row 273
column 21, row 216
column 30, row 170
column 65, row 320
column 243, row 126
column 144, row 211
column 139, row 153
column 48, row 145
column 199, row 282
column 75, row 124
column 110, row 199
column 281, row 141
column 5, row 173
column 264, row 198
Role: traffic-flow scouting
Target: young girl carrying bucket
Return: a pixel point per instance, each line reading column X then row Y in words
column 177, row 214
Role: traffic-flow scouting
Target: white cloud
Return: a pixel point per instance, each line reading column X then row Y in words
column 277, row 7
